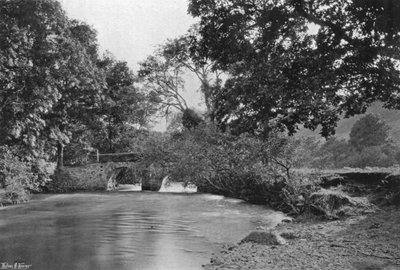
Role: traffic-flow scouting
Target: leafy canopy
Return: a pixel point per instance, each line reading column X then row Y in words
column 54, row 86
column 300, row 61
column 49, row 81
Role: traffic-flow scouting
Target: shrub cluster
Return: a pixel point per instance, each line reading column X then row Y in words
column 21, row 175
column 244, row 167
column 369, row 144
column 335, row 153
column 275, row 171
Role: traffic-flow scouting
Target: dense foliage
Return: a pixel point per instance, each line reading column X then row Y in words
column 369, row 144
column 287, row 62
column 300, row 61
column 56, row 90
column 369, row 131
column 281, row 171
column 243, row 166
column 20, row 175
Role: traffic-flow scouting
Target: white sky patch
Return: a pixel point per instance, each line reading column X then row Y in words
column 313, row 28
column 131, row 29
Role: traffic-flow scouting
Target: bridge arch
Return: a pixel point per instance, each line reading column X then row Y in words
column 100, row 176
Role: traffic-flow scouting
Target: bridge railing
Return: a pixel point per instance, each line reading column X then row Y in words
column 114, row 157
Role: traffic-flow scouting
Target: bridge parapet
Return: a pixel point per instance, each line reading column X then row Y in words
column 116, row 157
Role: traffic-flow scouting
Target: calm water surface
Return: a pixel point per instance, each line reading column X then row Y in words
column 131, row 230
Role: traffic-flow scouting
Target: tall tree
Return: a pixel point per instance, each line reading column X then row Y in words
column 123, row 105
column 163, row 73
column 80, row 82
column 164, row 82
column 284, row 74
column 48, row 78
column 369, row 131
column 184, row 51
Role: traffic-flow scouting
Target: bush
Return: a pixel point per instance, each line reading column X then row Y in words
column 244, row 167
column 190, row 119
column 220, row 161
column 335, row 153
column 369, row 145
column 14, row 193
column 373, row 156
column 369, row 131
column 19, row 176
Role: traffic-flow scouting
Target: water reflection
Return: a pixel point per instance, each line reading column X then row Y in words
column 130, row 230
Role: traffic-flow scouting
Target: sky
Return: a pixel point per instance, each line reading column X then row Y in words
column 132, row 29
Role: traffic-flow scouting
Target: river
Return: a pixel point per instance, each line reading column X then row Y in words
column 124, row 230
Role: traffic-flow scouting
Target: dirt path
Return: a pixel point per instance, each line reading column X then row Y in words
column 363, row 243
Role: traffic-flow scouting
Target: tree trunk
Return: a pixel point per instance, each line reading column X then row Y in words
column 60, row 155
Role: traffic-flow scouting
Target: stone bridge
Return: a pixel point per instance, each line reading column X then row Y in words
column 99, row 176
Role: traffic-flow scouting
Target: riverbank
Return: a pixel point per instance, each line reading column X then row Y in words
column 361, row 242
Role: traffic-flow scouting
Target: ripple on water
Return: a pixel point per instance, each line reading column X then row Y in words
column 125, row 230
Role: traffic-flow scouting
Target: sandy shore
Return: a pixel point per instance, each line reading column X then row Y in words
column 369, row 242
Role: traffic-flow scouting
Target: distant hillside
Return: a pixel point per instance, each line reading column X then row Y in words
column 391, row 118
